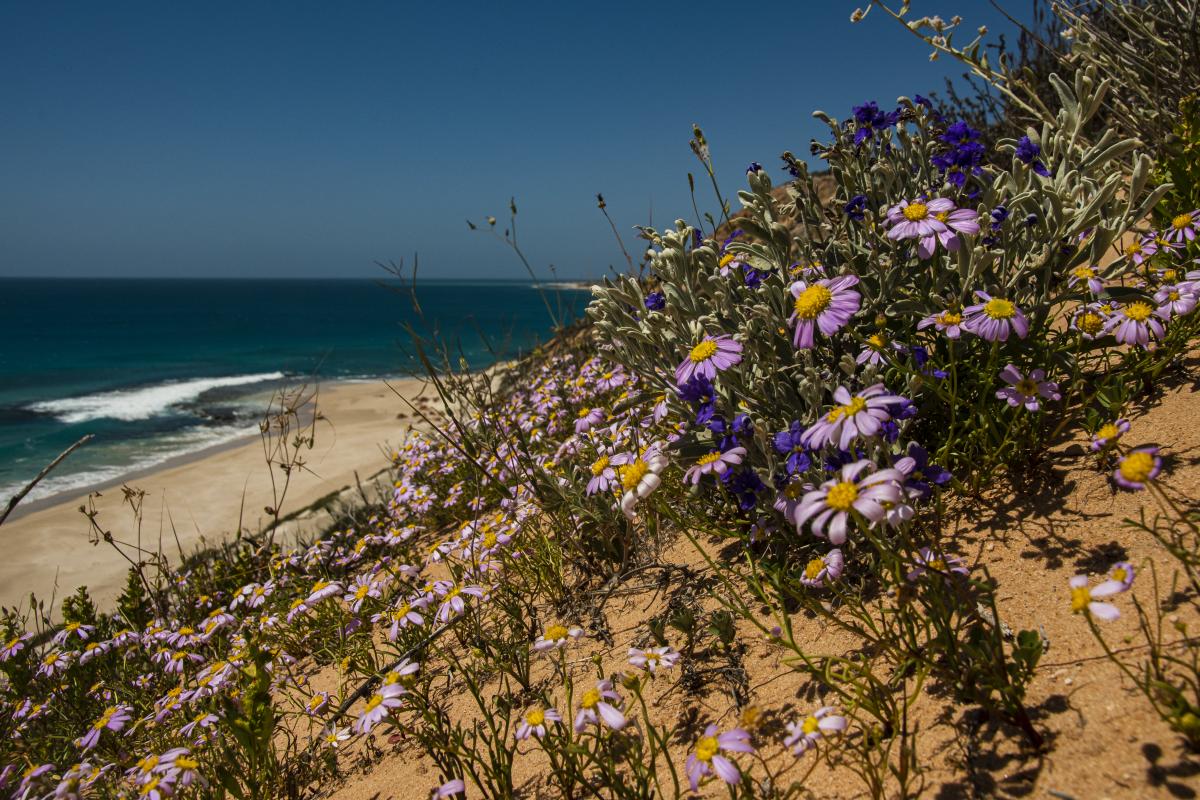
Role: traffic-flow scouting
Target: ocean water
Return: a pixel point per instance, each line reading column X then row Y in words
column 161, row 368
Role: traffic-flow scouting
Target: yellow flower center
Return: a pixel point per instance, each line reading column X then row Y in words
column 599, row 465
column 941, row 216
column 555, row 632
column 1090, row 322
column 1182, row 221
column 812, row 301
column 726, row 260
column 632, row 474
column 590, row 699
column 583, row 412
column 1136, row 467
column 1138, row 312
column 104, row 718
column 706, row 748
column 855, row 405
column 703, row 351
column 949, row 318
column 915, row 212
column 1083, row 273
column 813, row 569
column 842, row 496
column 1027, row 386
column 810, row 725
column 148, row 787
column 1108, row 431
column 12, row 643
column 374, row 702
column 1080, row 597
column 709, row 458
column 361, row 592
column 536, row 717
column 1133, row 249
column 937, row 564
column 489, row 539
column 1172, row 295
column 999, row 309
column 794, row 490
column 876, row 341
column 1120, row 574
column 1169, row 275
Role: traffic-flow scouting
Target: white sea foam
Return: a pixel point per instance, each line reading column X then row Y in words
column 142, row 403
column 181, row 444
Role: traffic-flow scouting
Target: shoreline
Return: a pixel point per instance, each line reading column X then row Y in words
column 195, row 500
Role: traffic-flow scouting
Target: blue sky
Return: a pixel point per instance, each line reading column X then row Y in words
column 312, row 139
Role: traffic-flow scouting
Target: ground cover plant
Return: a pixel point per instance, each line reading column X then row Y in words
column 767, row 429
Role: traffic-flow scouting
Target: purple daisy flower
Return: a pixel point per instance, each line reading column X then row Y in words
column 448, row 789
column 1082, row 597
column 862, row 414
column 1136, row 324
column 1024, row 390
column 877, row 345
column 588, row 418
column 653, row 659
column 706, row 759
column 830, row 506
column 714, row 463
column 1139, row 466
column 1176, row 300
column 1086, row 274
column 113, row 719
column 808, row 732
column 14, row 646
column 929, row 561
column 923, row 221
column 827, row 305
column 1184, row 227
column 1089, row 320
column 827, row 567
column 710, row 355
column 1109, row 433
column 600, row 704
column 379, row 706
column 603, row 474
column 948, row 322
column 556, row 637
column 1122, row 572
column 535, row 721
column 995, row 318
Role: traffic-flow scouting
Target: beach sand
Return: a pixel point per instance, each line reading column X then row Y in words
column 199, row 498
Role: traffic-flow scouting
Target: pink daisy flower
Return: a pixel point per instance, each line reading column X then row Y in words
column 825, row 305
column 1083, row 602
column 1026, row 391
column 829, row 507
column 535, row 721
column 1137, row 468
column 709, row 356
column 714, row 463
column 995, row 318
column 808, row 732
column 862, row 414
column 1136, row 324
column 707, row 758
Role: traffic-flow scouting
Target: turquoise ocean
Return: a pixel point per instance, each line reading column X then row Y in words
column 157, row 369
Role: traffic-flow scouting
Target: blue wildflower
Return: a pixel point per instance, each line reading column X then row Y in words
column 754, row 167
column 656, row 301
column 699, row 392
column 788, row 443
column 965, row 155
column 856, row 208
column 922, row 476
column 870, row 119
column 1028, row 152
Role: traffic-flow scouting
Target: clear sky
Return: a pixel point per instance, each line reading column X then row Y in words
column 305, row 139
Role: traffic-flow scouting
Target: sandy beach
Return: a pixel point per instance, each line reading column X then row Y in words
column 198, row 499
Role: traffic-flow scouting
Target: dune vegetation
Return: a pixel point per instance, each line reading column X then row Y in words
column 848, row 491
